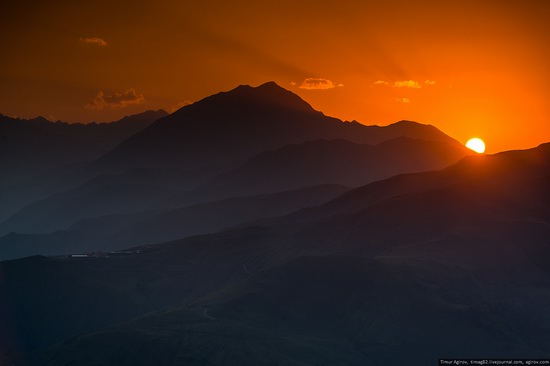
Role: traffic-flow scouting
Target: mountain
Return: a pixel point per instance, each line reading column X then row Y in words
column 202, row 140
column 373, row 277
column 33, row 148
column 213, row 216
column 229, row 127
column 30, row 147
column 63, row 209
column 337, row 162
column 116, row 231
column 234, row 126
column 291, row 167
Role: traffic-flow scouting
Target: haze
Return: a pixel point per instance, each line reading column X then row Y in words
column 471, row 68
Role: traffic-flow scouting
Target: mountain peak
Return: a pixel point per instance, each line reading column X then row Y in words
column 268, row 94
column 408, row 123
column 417, row 130
column 270, row 85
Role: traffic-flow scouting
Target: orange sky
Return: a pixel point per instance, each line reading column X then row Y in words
column 471, row 68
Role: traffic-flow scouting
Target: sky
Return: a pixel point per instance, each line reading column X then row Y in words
column 471, row 68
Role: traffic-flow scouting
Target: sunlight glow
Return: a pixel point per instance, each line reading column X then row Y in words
column 476, row 145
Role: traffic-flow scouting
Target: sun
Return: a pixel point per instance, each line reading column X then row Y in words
column 476, row 144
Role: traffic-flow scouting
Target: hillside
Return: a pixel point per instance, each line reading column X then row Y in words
column 465, row 250
column 39, row 156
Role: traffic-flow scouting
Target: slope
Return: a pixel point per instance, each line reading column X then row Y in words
column 36, row 154
column 117, row 231
column 290, row 167
column 466, row 253
column 337, row 162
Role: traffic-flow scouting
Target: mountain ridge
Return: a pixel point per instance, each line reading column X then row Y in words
column 260, row 118
column 32, row 149
column 214, row 136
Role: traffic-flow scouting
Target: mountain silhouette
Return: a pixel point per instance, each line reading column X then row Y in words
column 228, row 127
column 292, row 167
column 337, row 162
column 212, row 216
column 226, row 145
column 107, row 231
column 32, row 148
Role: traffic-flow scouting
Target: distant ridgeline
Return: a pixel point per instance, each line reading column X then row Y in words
column 154, row 177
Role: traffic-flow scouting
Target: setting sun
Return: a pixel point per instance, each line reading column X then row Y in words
column 476, row 145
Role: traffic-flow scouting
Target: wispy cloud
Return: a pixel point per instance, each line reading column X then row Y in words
column 318, row 84
column 407, row 84
column 116, row 100
column 94, row 40
column 403, row 100
column 180, row 105
column 429, row 82
column 381, row 82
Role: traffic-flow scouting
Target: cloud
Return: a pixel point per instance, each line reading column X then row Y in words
column 403, row 100
column 407, row 84
column 94, row 40
column 116, row 100
column 429, row 82
column 180, row 105
column 317, row 84
column 381, row 82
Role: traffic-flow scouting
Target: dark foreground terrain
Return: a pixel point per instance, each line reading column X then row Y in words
column 443, row 264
